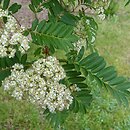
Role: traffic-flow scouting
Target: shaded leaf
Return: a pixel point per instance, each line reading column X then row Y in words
column 24, row 59
column 6, row 4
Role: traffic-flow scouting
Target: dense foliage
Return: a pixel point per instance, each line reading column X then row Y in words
column 57, row 85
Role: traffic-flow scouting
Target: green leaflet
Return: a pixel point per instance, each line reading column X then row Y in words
column 2, row 62
column 127, row 2
column 105, row 72
column 24, row 59
column 56, row 11
column 1, row 1
column 41, row 25
column 74, row 106
column 100, row 67
column 54, row 7
column 6, row 4
column 88, row 1
column 82, row 93
column 36, row 6
column 82, row 85
column 76, row 79
column 9, row 61
column 88, row 59
column 123, row 86
column 95, row 63
column 84, row 72
column 68, row 66
column 69, row 19
column 14, row 8
column 81, row 100
column 4, row 74
column 72, row 73
column 117, row 80
column 35, row 3
column 80, row 54
column 56, row 119
column 38, row 51
column 91, row 76
column 109, row 76
column 34, row 24
column 98, row 81
column 31, row 7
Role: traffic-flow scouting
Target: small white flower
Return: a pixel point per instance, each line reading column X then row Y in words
column 102, row 16
column 78, row 45
column 74, row 87
column 3, row 51
column 100, row 12
column 11, row 36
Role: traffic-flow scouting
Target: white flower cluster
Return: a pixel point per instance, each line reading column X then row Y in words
column 83, row 28
column 78, row 45
column 40, row 85
column 100, row 12
column 74, row 88
column 11, row 36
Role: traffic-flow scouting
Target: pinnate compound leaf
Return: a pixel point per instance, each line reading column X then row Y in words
column 106, row 77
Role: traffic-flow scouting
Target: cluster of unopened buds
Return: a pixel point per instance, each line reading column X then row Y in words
column 40, row 85
column 101, row 6
column 82, row 31
column 11, row 36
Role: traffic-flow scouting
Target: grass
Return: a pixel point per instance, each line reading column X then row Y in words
column 112, row 42
column 19, row 115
